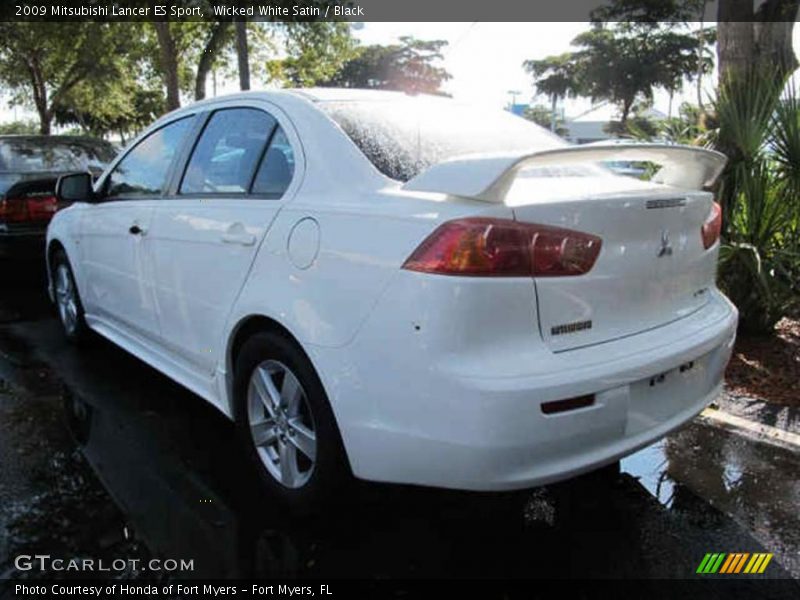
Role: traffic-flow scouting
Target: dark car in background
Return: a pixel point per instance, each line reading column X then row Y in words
column 29, row 168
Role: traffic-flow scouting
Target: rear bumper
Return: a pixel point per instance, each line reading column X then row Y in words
column 411, row 411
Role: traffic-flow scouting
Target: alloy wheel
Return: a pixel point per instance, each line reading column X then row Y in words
column 66, row 298
column 281, row 424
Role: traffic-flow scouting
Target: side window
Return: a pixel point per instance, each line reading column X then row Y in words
column 144, row 170
column 227, row 153
column 277, row 167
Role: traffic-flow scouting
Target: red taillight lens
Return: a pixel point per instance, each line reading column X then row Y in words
column 42, row 208
column 13, row 210
column 35, row 208
column 712, row 227
column 482, row 247
column 561, row 252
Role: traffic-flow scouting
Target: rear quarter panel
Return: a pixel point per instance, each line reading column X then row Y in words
column 363, row 242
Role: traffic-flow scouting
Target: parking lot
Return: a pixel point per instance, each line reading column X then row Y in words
column 102, row 456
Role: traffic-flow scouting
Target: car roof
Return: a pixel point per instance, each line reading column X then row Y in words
column 292, row 95
column 350, row 94
column 52, row 138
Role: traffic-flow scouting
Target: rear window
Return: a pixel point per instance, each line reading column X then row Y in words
column 31, row 155
column 403, row 137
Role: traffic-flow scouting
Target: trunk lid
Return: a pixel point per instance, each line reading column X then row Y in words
column 652, row 268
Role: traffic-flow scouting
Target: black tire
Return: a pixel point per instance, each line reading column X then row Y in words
column 330, row 474
column 72, row 320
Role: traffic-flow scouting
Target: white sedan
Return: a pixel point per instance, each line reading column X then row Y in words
column 403, row 289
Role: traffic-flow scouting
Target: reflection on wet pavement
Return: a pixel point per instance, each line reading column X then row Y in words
column 170, row 464
column 757, row 484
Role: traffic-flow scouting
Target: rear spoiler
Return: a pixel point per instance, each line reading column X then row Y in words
column 489, row 177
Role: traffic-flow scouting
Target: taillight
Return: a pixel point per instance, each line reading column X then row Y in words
column 35, row 208
column 42, row 208
column 13, row 210
column 712, row 227
column 483, row 247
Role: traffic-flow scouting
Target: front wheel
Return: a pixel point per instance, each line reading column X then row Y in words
column 68, row 301
column 285, row 423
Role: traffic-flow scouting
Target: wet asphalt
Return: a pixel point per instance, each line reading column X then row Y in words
column 101, row 456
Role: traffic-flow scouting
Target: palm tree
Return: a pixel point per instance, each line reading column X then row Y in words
column 759, row 130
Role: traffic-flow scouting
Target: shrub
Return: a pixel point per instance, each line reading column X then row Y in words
column 760, row 194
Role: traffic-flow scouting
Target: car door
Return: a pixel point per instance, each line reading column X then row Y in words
column 114, row 233
column 205, row 236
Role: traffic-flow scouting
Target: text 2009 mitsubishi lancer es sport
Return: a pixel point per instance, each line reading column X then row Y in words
column 403, row 289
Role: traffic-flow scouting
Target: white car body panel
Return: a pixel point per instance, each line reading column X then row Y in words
column 433, row 380
column 470, row 418
column 113, row 264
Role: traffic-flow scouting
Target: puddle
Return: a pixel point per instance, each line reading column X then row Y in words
column 757, row 484
column 154, row 460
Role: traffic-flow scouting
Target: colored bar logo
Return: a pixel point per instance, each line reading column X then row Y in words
column 734, row 563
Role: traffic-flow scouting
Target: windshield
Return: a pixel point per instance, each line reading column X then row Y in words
column 403, row 137
column 28, row 155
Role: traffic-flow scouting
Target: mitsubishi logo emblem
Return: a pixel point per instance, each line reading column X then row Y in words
column 666, row 248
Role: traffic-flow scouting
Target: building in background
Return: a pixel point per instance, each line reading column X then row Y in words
column 590, row 125
column 517, row 108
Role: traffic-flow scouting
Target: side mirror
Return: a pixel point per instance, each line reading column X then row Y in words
column 75, row 187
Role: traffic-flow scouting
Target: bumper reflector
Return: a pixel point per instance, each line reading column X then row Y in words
column 559, row 406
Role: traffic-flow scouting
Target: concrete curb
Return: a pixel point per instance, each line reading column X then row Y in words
column 764, row 432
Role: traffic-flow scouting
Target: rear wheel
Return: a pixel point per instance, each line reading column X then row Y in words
column 285, row 422
column 68, row 302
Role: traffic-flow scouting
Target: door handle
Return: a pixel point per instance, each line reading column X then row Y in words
column 243, row 239
column 136, row 230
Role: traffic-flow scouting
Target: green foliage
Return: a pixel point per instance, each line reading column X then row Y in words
column 650, row 11
column 638, row 126
column 744, row 109
column 690, row 127
column 557, row 76
column 264, row 42
column 623, row 62
column 543, row 115
column 42, row 63
column 121, row 105
column 409, row 66
column 760, row 254
column 19, row 128
column 315, row 53
column 785, row 143
column 121, row 108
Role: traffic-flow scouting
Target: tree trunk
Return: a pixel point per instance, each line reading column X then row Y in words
column 734, row 37
column 761, row 39
column 45, row 121
column 773, row 36
column 40, row 99
column 243, row 55
column 169, row 63
column 701, row 44
column 626, row 110
column 215, row 43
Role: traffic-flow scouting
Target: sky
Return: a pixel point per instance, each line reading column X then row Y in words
column 485, row 60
